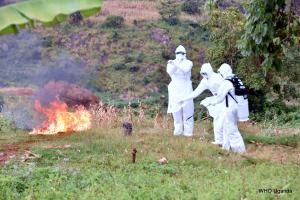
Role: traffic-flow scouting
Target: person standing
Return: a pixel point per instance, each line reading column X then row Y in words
column 211, row 81
column 232, row 138
column 179, row 87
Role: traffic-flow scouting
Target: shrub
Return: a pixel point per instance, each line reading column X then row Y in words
column 113, row 21
column 5, row 124
column 166, row 54
column 169, row 11
column 132, row 67
column 191, row 6
column 115, row 36
column 119, row 66
column 140, row 58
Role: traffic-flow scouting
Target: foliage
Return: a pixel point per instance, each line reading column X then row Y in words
column 23, row 14
column 270, row 25
column 5, row 124
column 113, row 21
column 226, row 27
column 169, row 11
column 191, row 6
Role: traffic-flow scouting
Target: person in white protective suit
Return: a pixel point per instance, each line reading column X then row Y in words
column 211, row 81
column 229, row 112
column 179, row 87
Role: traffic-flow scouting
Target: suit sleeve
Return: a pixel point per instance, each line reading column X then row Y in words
column 171, row 69
column 186, row 66
column 225, row 87
column 200, row 88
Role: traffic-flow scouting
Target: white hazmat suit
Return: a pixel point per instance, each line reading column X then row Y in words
column 179, row 87
column 229, row 113
column 211, row 81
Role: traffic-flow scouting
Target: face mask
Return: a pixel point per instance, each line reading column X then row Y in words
column 180, row 56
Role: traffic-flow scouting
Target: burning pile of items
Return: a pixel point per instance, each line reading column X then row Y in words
column 61, row 107
column 65, row 107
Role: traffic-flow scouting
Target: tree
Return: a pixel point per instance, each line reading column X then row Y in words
column 226, row 28
column 24, row 14
column 271, row 26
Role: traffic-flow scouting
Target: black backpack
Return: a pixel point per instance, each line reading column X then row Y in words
column 239, row 88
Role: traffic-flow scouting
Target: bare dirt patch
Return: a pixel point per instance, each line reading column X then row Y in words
column 130, row 10
column 274, row 153
column 7, row 152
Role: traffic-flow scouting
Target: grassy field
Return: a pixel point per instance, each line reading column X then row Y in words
column 97, row 164
column 121, row 65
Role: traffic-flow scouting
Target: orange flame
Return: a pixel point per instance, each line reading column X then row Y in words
column 59, row 119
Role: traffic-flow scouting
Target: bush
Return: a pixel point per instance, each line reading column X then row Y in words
column 191, row 6
column 169, row 11
column 113, row 21
column 5, row 124
column 119, row 66
column 140, row 58
column 132, row 67
column 115, row 36
column 167, row 54
column 1, row 103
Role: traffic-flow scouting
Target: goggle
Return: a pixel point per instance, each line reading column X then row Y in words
column 203, row 73
column 182, row 53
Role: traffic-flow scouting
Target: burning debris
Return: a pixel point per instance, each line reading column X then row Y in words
column 71, row 94
column 65, row 107
column 60, row 119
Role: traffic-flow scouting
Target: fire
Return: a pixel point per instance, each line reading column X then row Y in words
column 59, row 119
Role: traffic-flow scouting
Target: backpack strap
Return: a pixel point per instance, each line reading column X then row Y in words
column 233, row 98
column 226, row 100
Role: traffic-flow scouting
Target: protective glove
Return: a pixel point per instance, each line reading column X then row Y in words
column 205, row 102
column 171, row 62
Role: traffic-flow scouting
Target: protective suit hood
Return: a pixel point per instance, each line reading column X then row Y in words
column 180, row 53
column 206, row 70
column 225, row 70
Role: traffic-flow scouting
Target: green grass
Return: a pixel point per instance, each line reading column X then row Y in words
column 288, row 140
column 98, row 166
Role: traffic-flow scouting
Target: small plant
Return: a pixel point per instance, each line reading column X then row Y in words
column 191, row 6
column 115, row 36
column 141, row 112
column 75, row 18
column 119, row 66
column 113, row 21
column 5, row 124
column 140, row 58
